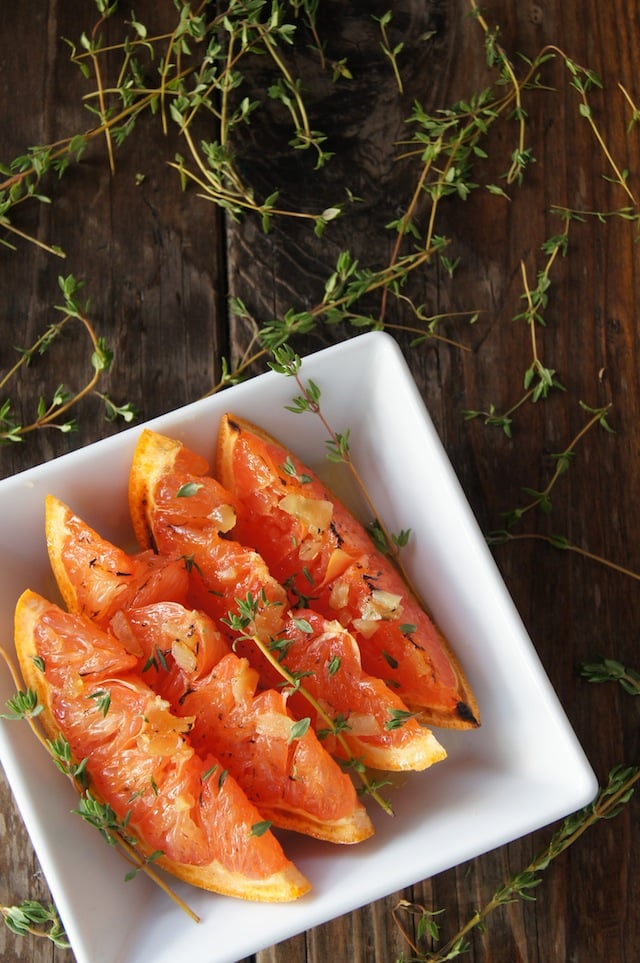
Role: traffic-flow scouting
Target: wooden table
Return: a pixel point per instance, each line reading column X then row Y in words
column 159, row 265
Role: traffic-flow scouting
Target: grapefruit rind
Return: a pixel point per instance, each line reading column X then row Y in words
column 154, row 455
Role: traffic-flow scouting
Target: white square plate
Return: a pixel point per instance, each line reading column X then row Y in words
column 520, row 771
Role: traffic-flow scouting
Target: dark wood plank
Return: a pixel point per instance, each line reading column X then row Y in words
column 155, row 270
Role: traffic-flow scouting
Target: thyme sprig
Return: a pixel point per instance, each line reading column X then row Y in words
column 448, row 146
column 338, row 448
column 53, row 413
column 390, row 51
column 538, row 380
column 542, row 498
column 603, row 669
column 200, row 69
column 23, row 705
column 33, row 918
column 609, row 802
column 563, row 543
column 198, row 66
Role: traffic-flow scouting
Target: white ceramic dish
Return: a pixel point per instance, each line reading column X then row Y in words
column 520, row 771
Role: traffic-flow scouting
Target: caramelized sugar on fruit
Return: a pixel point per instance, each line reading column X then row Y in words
column 140, row 761
column 176, row 647
column 314, row 546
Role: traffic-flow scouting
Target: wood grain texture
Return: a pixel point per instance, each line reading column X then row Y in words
column 158, row 265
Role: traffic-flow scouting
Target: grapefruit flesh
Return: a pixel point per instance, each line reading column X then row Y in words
column 97, row 578
column 283, row 768
column 183, row 656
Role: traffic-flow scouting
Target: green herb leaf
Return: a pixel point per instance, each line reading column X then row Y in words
column 260, row 828
column 299, row 729
column 188, row 489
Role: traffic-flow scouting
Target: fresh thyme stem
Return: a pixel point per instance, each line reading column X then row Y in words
column 49, row 248
column 31, row 715
column 33, row 918
column 140, row 863
column 615, row 794
column 636, row 112
column 101, row 96
column 298, row 112
column 559, row 541
column 562, row 459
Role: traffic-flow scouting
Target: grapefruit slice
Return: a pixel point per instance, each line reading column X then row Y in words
column 97, row 578
column 316, row 548
column 179, row 510
column 281, row 765
column 140, row 762
column 375, row 723
column 225, row 574
column 292, row 779
column 172, row 484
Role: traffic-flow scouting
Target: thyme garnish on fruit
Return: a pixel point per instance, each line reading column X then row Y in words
column 24, row 706
column 243, row 622
column 338, row 450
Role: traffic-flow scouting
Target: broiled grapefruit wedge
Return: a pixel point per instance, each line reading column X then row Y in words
column 316, row 548
column 140, row 762
column 173, row 484
column 281, row 765
column 179, row 510
column 375, row 722
column 225, row 574
column 97, row 578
